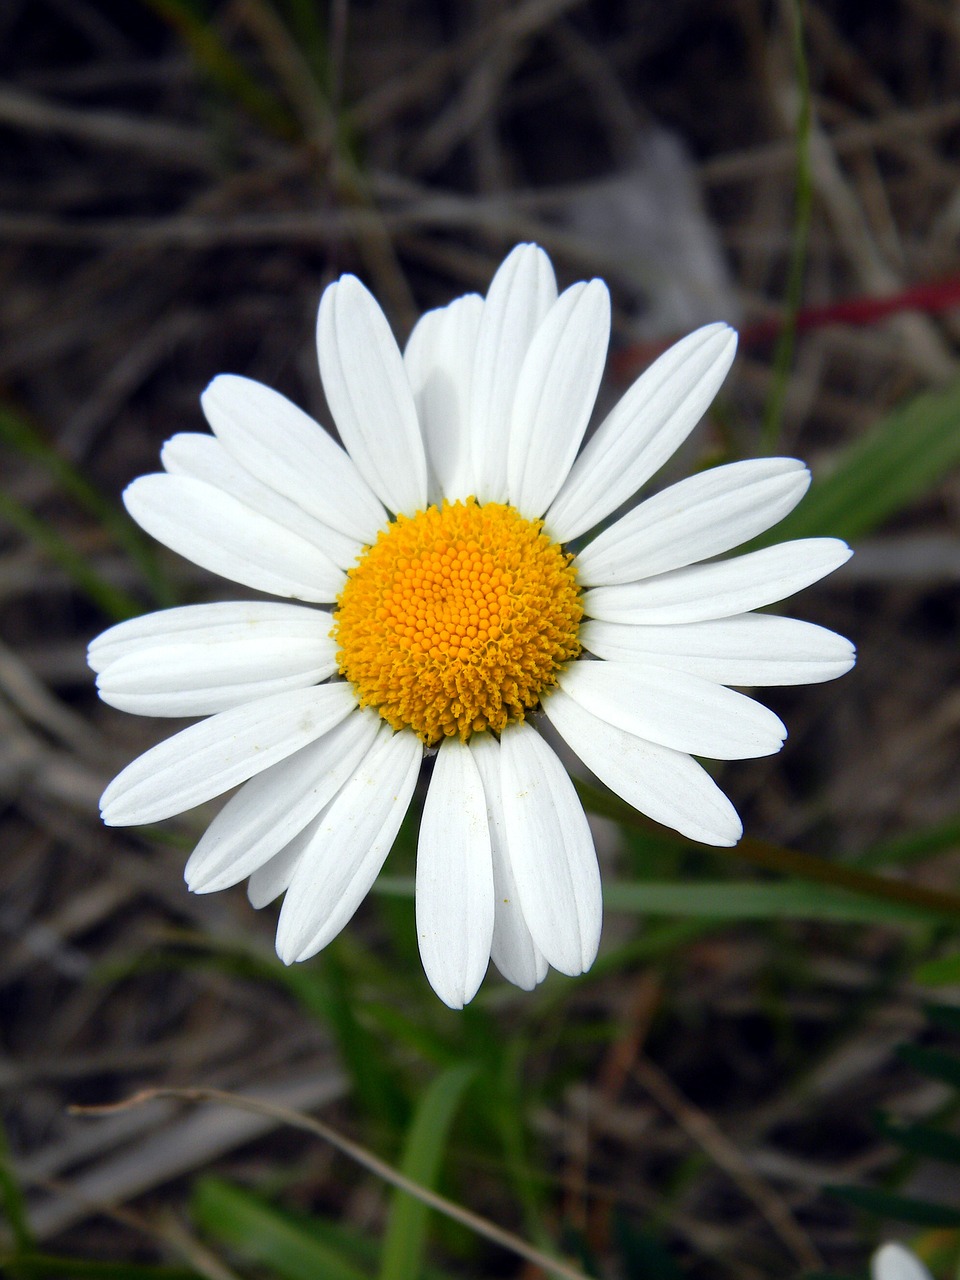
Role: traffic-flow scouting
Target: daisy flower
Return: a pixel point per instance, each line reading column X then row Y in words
column 445, row 613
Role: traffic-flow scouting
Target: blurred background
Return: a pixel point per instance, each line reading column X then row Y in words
column 759, row 1078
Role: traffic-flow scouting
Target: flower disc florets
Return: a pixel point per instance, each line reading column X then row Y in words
column 457, row 619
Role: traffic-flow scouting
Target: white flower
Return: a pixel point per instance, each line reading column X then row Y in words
column 437, row 536
column 894, row 1262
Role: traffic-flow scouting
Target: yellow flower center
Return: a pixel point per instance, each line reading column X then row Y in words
column 456, row 620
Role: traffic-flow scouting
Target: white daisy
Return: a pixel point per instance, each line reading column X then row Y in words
column 455, row 619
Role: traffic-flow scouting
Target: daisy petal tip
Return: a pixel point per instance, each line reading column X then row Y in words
column 219, row 383
column 452, row 1000
column 347, row 290
column 581, row 958
column 131, row 493
column 113, row 815
column 288, row 948
column 717, row 334
column 454, row 985
column 199, row 883
column 727, row 833
column 453, row 993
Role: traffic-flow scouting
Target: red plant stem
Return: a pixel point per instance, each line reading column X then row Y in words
column 941, row 295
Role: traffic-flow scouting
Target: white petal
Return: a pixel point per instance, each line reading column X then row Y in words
column 749, row 649
column 205, row 624
column 701, row 516
column 666, row 785
column 369, row 395
column 674, row 709
column 556, row 391
column 352, row 838
column 218, row 753
column 512, row 949
column 718, row 590
column 894, row 1262
column 223, row 535
column 454, row 878
column 273, row 439
column 276, row 805
column 266, row 883
column 204, row 458
column 520, row 295
column 551, row 851
column 439, row 363
column 650, row 422
column 198, row 679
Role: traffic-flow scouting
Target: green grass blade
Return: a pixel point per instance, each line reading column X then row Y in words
column 738, row 900
column 261, row 1233
column 921, row 1139
column 406, row 1236
column 885, row 1204
column 110, row 599
column 753, row 900
column 942, row 972
column 944, row 1015
column 896, row 462
column 21, row 435
column 937, row 904
column 925, row 843
column 12, row 1201
column 303, row 17
column 833, row 1275
column 326, row 992
column 46, row 1265
column 932, row 1062
column 209, row 52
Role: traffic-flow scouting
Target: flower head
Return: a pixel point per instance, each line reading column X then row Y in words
column 443, row 611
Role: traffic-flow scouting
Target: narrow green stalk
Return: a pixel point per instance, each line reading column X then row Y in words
column 114, row 602
column 22, row 436
column 940, row 904
column 12, row 1201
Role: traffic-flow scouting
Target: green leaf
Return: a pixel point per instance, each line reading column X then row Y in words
column 406, row 1236
column 756, row 900
column 921, row 1139
column 896, row 462
column 932, row 1062
column 263, row 1234
column 942, row 972
column 923, row 1213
